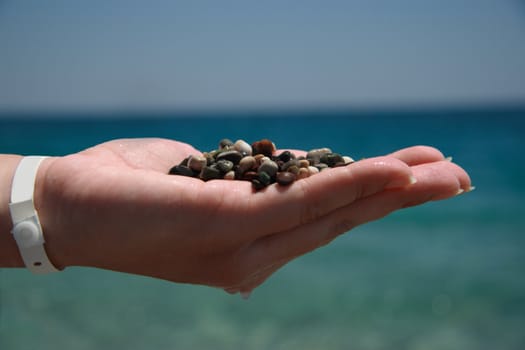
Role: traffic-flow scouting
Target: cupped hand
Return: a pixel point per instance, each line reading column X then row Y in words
column 113, row 206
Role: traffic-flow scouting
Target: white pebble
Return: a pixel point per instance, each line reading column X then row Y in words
column 312, row 170
column 243, row 147
column 348, row 159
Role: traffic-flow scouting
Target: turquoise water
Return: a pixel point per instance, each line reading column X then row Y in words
column 446, row 275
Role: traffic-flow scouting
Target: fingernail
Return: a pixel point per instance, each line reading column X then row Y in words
column 448, row 159
column 246, row 295
column 402, row 182
column 460, row 191
column 471, row 188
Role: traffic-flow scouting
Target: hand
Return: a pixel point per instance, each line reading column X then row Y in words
column 114, row 207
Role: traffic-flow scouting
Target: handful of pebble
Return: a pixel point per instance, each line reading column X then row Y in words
column 257, row 163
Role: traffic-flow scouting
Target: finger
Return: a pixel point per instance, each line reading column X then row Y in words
column 438, row 178
column 279, row 208
column 435, row 181
column 418, row 155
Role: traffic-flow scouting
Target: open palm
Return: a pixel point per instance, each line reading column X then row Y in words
column 113, row 206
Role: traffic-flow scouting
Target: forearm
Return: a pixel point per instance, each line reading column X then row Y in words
column 9, row 255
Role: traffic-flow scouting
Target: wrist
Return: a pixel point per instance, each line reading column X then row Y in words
column 47, row 207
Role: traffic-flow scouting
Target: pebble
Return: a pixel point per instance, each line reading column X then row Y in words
column 348, row 160
column 285, row 178
column 269, row 167
column 233, row 156
column 224, row 165
column 332, row 159
column 225, row 144
column 294, row 169
column 321, row 166
column 265, row 147
column 257, row 163
column 243, row 147
column 288, row 164
column 181, row 170
column 303, row 163
column 316, row 154
column 303, row 173
column 285, row 156
column 210, row 173
column 313, row 170
column 196, row 163
column 264, row 178
column 246, row 164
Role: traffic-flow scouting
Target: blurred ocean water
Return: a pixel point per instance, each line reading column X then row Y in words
column 446, row 275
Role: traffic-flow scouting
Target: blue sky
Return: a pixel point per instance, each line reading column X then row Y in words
column 233, row 54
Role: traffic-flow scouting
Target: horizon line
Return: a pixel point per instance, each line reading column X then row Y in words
column 130, row 113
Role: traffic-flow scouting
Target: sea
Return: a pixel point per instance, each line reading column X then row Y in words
column 444, row 275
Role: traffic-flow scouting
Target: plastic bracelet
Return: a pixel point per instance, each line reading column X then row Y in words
column 26, row 225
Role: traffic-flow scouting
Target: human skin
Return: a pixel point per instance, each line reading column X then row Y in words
column 114, row 207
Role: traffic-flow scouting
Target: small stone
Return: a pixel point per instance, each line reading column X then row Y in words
column 224, row 165
column 230, row 175
column 265, row 147
column 348, row 160
column 303, row 173
column 294, row 169
column 285, row 178
column 233, row 156
column 181, row 170
column 315, row 154
column 288, row 164
column 304, row 163
column 243, row 147
column 331, row 159
column 321, row 166
column 196, row 163
column 264, row 178
column 246, row 164
column 285, row 156
column 225, row 144
column 210, row 173
column 257, row 184
column 313, row 170
column 249, row 175
column 258, row 158
column 269, row 167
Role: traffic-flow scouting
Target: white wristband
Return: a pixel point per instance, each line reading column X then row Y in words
column 26, row 226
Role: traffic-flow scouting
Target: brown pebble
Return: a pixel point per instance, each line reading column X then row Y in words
column 303, row 173
column 292, row 162
column 303, row 163
column 247, row 163
column 294, row 169
column 196, row 163
column 265, row 147
column 249, row 175
column 285, row 178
